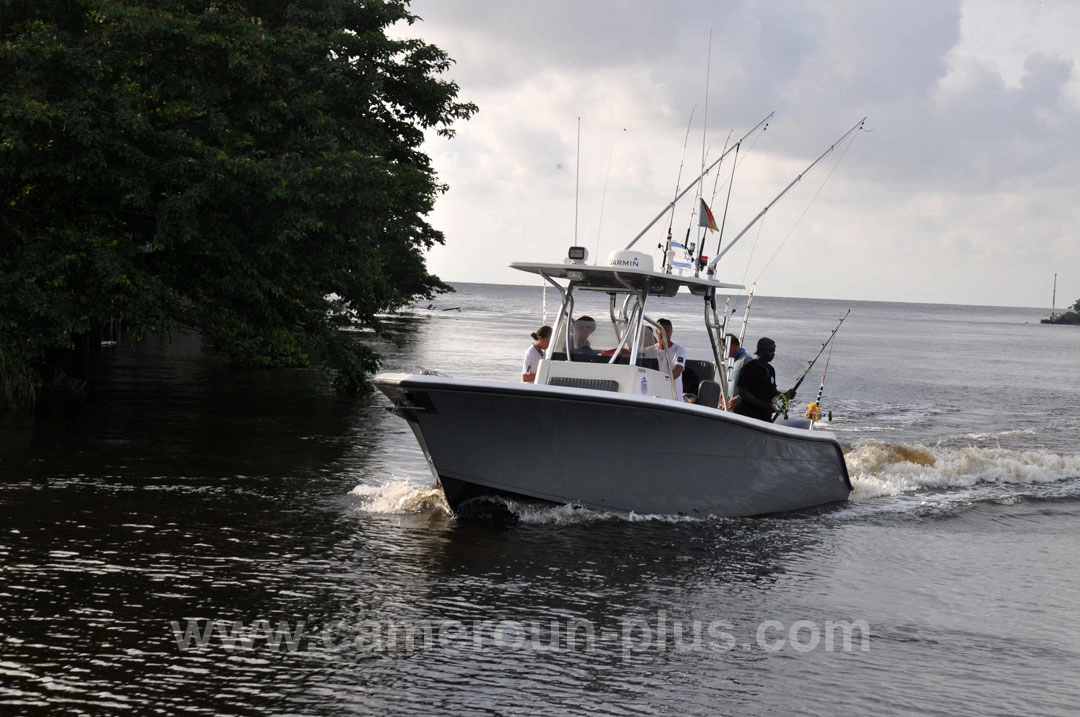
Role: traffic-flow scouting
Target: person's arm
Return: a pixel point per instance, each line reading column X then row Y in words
column 679, row 363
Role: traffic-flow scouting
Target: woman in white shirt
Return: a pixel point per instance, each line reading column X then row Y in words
column 541, row 339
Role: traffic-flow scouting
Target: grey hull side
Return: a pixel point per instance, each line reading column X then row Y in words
column 611, row 451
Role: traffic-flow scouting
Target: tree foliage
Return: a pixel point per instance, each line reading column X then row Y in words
column 252, row 169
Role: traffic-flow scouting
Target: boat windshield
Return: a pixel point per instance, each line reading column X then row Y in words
column 597, row 326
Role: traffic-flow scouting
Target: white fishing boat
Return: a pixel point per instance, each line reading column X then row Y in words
column 608, row 431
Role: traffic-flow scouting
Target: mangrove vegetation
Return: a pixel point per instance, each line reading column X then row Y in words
column 252, row 169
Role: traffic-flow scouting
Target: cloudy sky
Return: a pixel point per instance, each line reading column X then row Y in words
column 965, row 189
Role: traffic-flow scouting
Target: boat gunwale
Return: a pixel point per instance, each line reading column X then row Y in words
column 595, row 395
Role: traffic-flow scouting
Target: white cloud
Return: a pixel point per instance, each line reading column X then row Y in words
column 966, row 189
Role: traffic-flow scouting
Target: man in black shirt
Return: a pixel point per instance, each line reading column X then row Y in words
column 757, row 384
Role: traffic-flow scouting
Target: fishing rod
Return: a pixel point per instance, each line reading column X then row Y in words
column 577, row 179
column 727, row 205
column 729, row 361
column 704, row 150
column 711, row 328
column 716, row 179
column 693, row 184
column 721, row 355
column 813, row 409
column 746, row 313
column 782, row 402
column 699, row 262
column 719, row 255
column 603, row 199
column 810, row 365
column 678, row 180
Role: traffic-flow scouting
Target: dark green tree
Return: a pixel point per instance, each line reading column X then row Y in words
column 252, row 169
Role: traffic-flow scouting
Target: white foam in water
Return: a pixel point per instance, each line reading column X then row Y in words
column 879, row 469
column 565, row 514
column 402, row 497
column 998, row 435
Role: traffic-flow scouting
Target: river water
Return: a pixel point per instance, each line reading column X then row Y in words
column 191, row 539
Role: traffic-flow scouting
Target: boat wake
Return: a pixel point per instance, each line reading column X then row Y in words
column 911, row 475
column 566, row 514
column 404, row 498
column 886, row 469
column 401, row 498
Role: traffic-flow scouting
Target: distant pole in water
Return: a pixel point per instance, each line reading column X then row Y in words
column 1053, row 297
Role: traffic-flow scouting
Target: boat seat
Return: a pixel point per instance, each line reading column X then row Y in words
column 694, row 372
column 708, row 394
column 598, row 384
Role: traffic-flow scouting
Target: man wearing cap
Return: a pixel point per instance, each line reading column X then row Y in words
column 757, row 384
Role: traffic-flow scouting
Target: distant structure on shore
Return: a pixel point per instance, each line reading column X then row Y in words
column 1069, row 317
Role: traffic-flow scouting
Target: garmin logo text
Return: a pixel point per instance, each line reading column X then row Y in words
column 623, row 262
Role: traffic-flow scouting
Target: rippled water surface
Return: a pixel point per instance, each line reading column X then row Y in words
column 196, row 540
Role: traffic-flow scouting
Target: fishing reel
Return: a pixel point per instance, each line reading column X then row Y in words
column 780, row 405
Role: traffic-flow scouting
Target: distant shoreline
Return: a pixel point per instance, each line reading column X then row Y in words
column 1034, row 309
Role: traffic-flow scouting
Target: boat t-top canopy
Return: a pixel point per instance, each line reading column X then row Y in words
column 623, row 278
column 628, row 273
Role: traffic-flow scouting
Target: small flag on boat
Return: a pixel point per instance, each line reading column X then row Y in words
column 706, row 219
column 681, row 257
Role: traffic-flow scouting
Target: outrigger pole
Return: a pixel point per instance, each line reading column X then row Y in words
column 814, row 360
column 712, row 264
column 693, row 184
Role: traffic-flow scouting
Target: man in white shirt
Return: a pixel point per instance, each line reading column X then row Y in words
column 670, row 356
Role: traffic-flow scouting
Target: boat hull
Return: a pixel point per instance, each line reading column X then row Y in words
column 609, row 451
